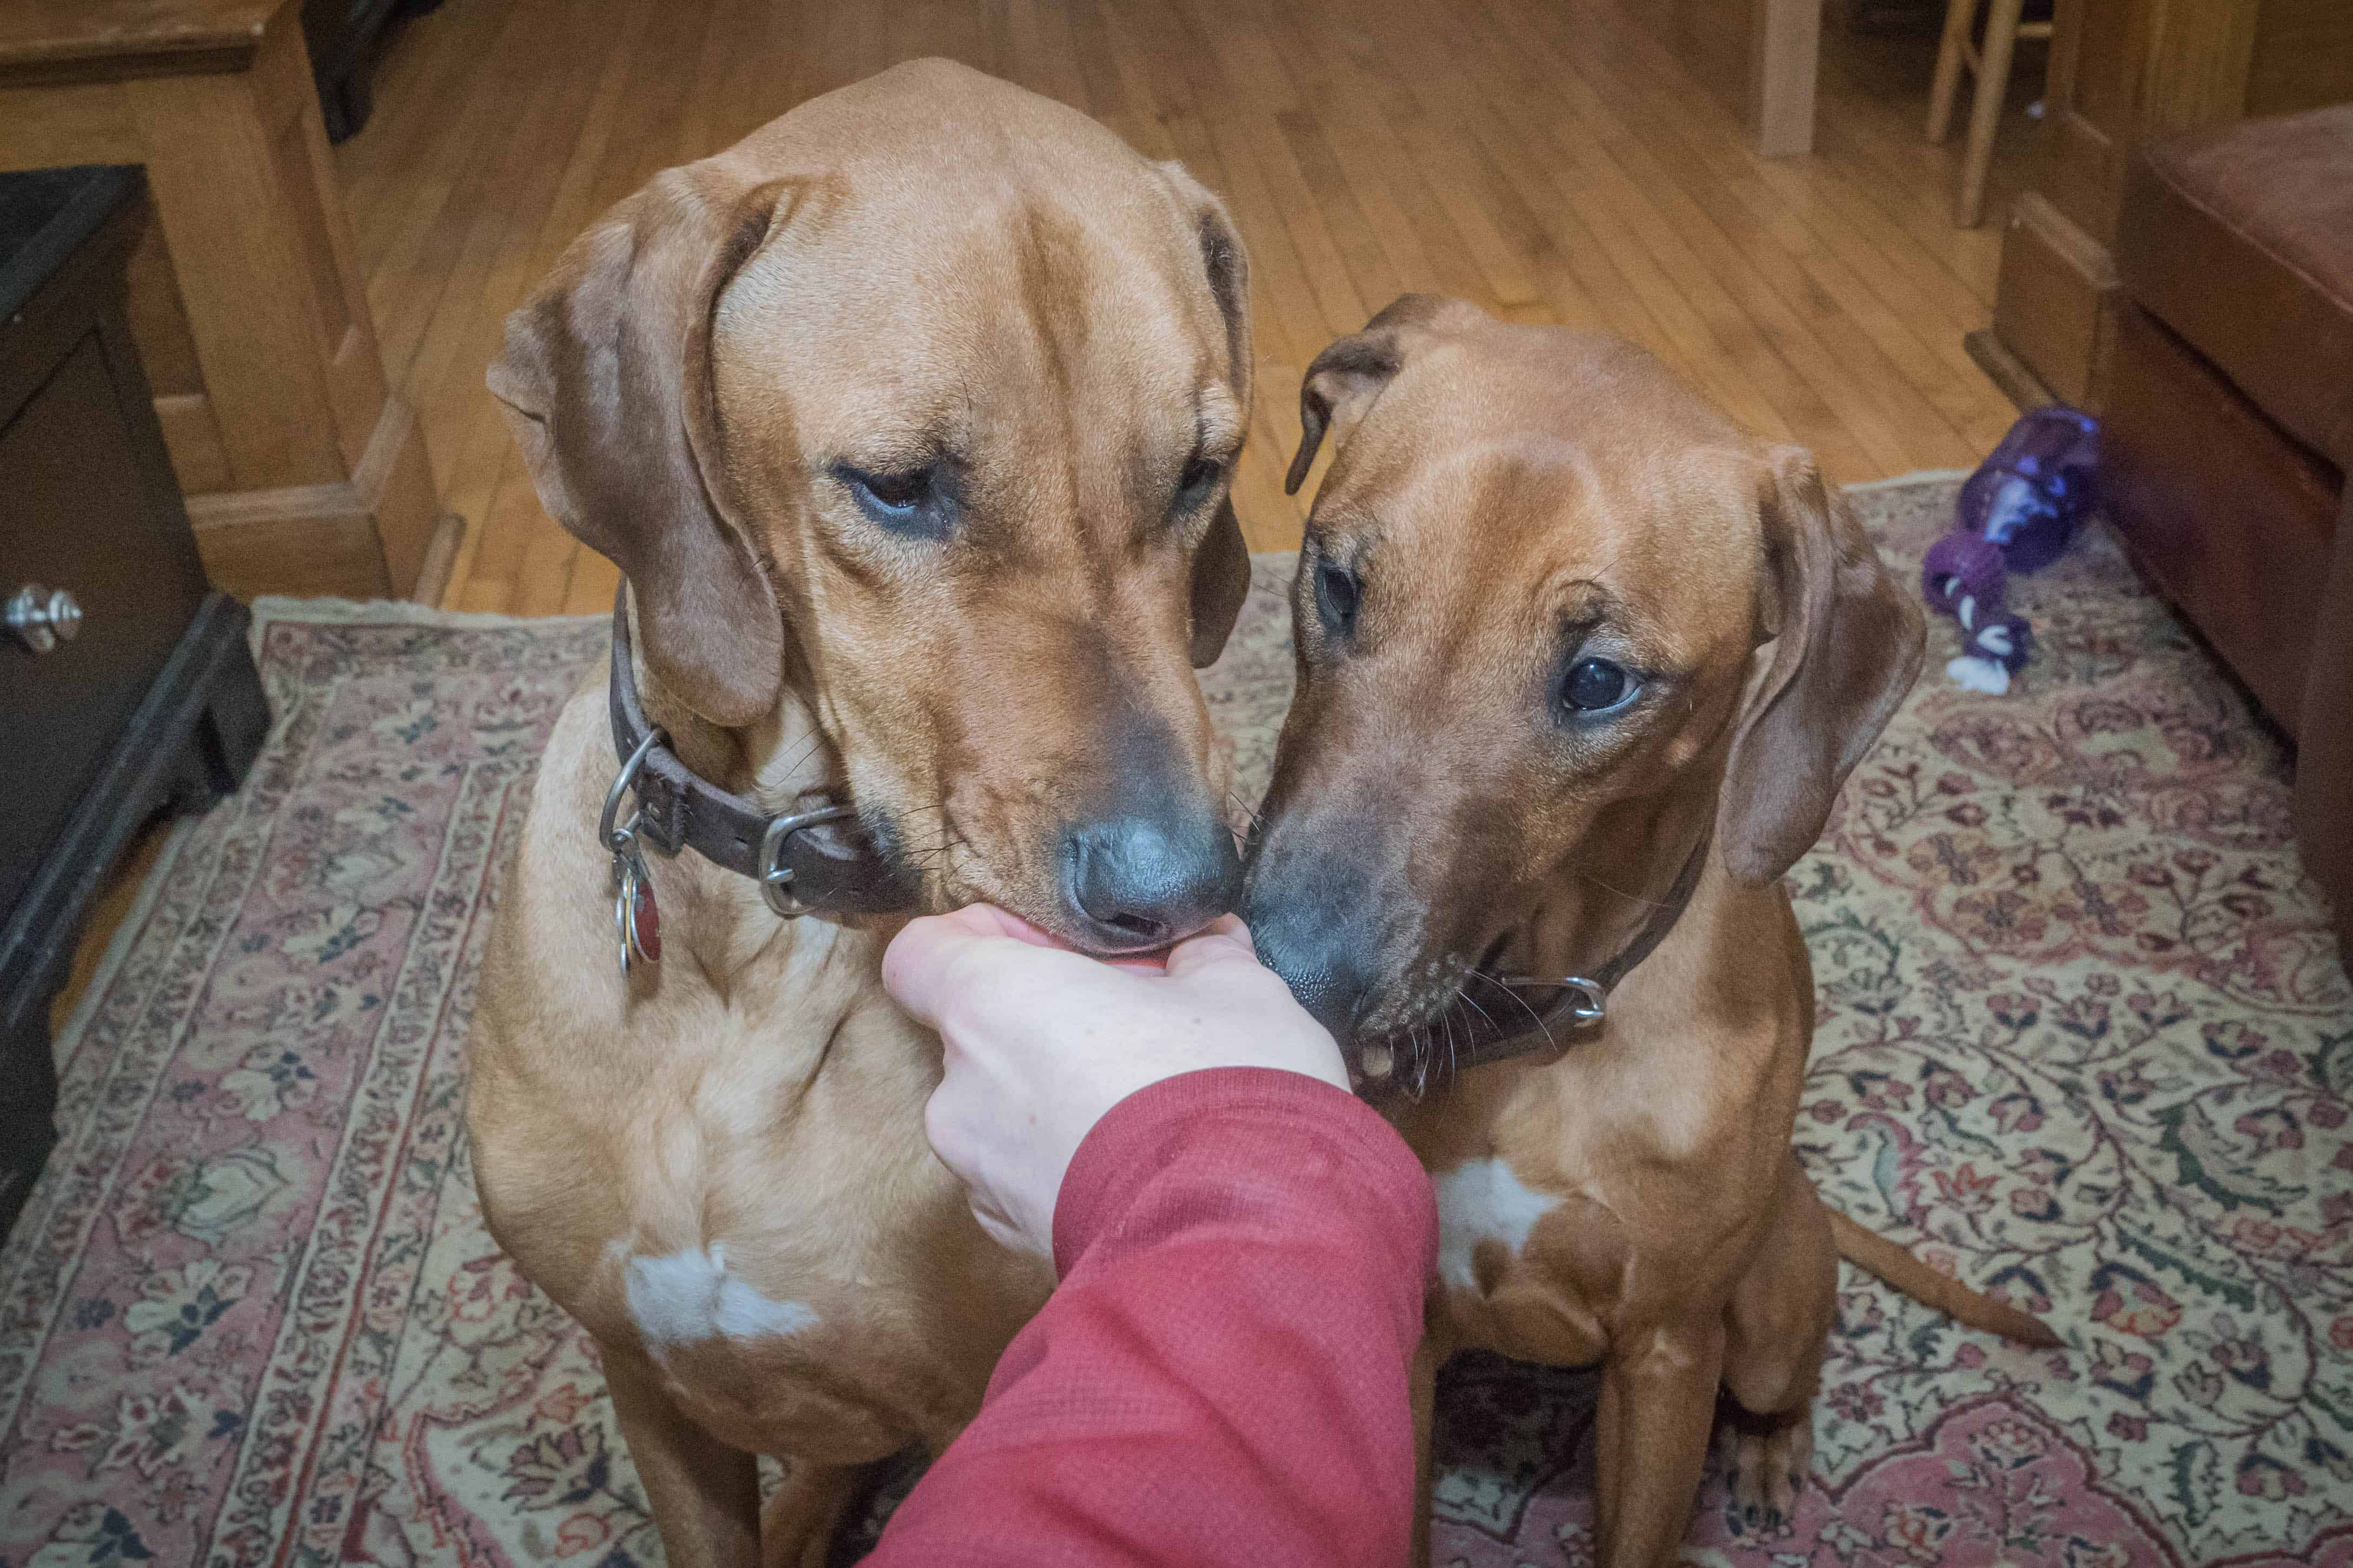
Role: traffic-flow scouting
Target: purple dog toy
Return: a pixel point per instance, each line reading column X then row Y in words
column 2017, row 512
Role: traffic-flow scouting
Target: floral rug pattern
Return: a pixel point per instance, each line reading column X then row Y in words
column 2084, row 1042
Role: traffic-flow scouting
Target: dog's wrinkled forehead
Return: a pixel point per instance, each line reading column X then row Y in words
column 1554, row 493
column 1017, row 294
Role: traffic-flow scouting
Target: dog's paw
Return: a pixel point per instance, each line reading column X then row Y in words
column 1765, row 1470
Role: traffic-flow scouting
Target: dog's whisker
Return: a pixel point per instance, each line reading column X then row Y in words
column 1620, row 892
column 808, row 749
column 1519, row 1001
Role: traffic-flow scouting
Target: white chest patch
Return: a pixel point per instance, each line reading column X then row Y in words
column 1480, row 1199
column 691, row 1296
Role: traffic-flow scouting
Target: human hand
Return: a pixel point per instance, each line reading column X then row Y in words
column 1041, row 1041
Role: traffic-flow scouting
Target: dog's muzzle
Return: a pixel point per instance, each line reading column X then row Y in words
column 1551, row 1014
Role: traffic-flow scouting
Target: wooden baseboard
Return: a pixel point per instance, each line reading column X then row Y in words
column 372, row 536
column 305, row 555
column 2007, row 371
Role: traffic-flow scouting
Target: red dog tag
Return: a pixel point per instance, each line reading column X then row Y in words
column 637, row 920
column 645, row 921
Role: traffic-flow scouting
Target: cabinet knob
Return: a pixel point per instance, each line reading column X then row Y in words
column 41, row 617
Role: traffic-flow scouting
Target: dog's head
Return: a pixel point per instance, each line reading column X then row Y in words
column 919, row 406
column 1559, row 622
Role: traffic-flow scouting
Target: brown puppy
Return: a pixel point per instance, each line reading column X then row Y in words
column 909, row 419
column 1573, row 650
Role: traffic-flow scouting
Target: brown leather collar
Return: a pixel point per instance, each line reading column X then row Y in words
column 1576, row 1002
column 812, row 862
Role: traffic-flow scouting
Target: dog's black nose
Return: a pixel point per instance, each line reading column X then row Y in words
column 1144, row 882
column 1319, row 933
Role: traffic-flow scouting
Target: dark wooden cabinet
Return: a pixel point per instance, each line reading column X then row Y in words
column 151, row 703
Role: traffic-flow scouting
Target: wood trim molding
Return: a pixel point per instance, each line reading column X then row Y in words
column 43, row 46
column 369, row 536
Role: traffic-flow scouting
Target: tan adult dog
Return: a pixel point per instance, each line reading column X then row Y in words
column 1582, row 667
column 909, row 420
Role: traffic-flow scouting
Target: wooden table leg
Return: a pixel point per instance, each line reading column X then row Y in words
column 1785, row 47
column 1985, row 115
column 1952, row 54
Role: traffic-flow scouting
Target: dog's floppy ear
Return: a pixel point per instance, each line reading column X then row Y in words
column 1221, row 580
column 1848, row 645
column 1351, row 372
column 606, row 380
column 1221, row 568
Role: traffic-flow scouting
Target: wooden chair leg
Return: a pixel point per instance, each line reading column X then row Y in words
column 1958, row 13
column 1985, row 114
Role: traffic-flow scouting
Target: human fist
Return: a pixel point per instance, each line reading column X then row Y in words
column 1040, row 1042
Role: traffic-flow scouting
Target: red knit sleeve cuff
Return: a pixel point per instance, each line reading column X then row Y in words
column 1233, row 1107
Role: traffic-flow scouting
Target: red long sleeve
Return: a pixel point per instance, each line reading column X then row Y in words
column 1220, row 1378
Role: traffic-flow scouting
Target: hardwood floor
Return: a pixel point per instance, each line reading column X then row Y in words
column 1550, row 159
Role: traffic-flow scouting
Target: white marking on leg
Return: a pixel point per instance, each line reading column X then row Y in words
column 690, row 1295
column 1478, row 1200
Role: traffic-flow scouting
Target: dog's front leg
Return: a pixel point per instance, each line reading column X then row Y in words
column 796, row 1527
column 1776, row 1325
column 706, row 1495
column 1658, row 1405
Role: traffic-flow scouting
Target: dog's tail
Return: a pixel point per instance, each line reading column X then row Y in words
column 1870, row 1251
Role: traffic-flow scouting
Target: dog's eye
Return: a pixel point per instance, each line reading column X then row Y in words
column 1597, row 686
column 1200, row 477
column 1336, row 594
column 892, row 499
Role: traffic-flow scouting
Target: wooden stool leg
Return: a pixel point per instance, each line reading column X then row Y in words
column 1958, row 13
column 1985, row 115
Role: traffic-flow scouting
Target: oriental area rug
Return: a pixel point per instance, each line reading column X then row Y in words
column 2084, row 1043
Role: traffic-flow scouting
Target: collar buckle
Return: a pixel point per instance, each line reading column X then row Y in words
column 777, row 878
column 678, row 809
column 1583, row 1001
